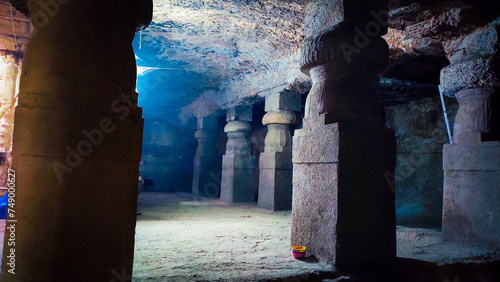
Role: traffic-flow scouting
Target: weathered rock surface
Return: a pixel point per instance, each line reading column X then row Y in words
column 215, row 54
column 236, row 49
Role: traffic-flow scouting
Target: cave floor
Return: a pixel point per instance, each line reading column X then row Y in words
column 183, row 238
column 180, row 237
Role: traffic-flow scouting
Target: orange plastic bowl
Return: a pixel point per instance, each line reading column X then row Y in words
column 298, row 252
column 299, row 249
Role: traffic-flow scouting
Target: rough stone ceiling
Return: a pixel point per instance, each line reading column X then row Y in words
column 217, row 53
column 223, row 36
column 217, row 42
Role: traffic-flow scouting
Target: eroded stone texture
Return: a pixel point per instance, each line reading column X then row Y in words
column 207, row 165
column 474, row 60
column 471, row 194
column 238, row 164
column 344, row 158
column 275, row 163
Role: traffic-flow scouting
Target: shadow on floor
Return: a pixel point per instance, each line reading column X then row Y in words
column 409, row 270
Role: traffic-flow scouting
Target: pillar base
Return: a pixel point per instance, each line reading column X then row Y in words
column 207, row 176
column 343, row 205
column 275, row 181
column 471, row 194
column 238, row 178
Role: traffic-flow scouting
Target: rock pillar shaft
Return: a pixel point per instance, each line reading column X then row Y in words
column 275, row 181
column 238, row 164
column 207, row 165
column 343, row 157
column 76, row 145
column 471, row 192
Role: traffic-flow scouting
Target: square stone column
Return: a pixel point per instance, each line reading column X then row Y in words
column 471, row 192
column 275, row 181
column 238, row 164
column 76, row 145
column 207, row 165
column 343, row 205
column 343, row 208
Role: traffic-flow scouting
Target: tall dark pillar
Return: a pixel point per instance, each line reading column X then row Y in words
column 343, row 206
column 207, row 165
column 77, row 145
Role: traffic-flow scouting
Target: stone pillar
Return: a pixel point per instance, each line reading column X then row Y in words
column 9, row 86
column 343, row 157
column 186, row 150
column 275, row 181
column 9, row 71
column 76, row 145
column 238, row 164
column 471, row 192
column 207, row 165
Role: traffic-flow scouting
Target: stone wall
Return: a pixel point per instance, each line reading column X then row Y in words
column 167, row 156
column 421, row 133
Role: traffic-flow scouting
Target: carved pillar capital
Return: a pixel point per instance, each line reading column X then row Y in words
column 238, row 131
column 206, row 136
column 279, row 117
column 342, row 63
column 474, row 115
column 471, row 77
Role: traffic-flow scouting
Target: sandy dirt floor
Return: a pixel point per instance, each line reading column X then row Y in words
column 181, row 238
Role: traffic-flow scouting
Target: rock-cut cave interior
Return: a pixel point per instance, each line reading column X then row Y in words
column 250, row 140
